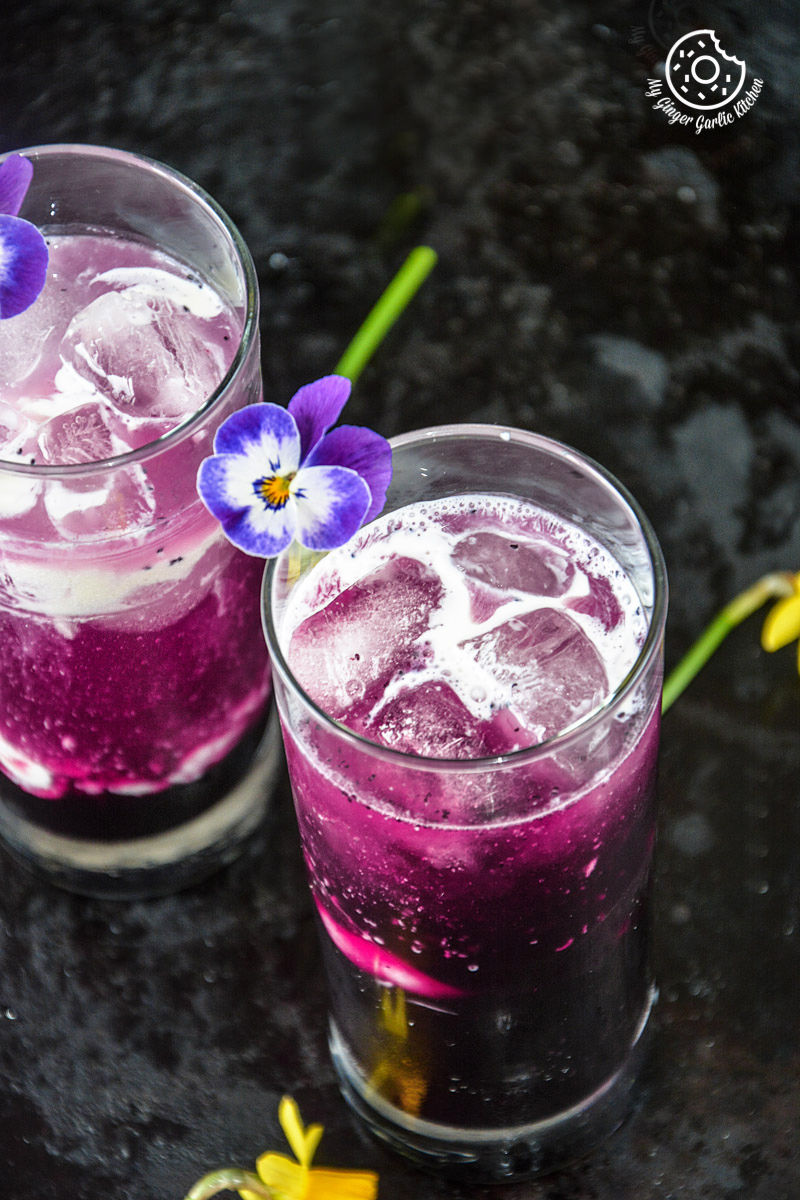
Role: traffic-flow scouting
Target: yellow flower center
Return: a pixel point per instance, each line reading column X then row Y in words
column 274, row 490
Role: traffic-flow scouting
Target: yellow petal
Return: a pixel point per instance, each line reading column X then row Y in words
column 393, row 1012
column 303, row 1141
column 341, row 1185
column 286, row 1177
column 782, row 624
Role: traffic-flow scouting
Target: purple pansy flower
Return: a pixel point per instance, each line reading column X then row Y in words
column 23, row 250
column 279, row 474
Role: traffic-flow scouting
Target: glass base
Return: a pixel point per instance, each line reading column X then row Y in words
column 496, row 1155
column 142, row 867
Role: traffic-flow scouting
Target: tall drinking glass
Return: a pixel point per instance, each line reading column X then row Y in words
column 133, row 682
column 469, row 696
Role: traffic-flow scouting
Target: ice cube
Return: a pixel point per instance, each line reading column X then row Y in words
column 538, row 568
column 24, row 337
column 344, row 654
column 546, row 666
column 146, row 353
column 80, row 435
column 16, row 433
column 431, row 720
column 129, row 431
column 115, row 500
column 601, row 603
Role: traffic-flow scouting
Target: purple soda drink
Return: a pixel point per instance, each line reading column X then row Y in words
column 479, row 842
column 134, row 693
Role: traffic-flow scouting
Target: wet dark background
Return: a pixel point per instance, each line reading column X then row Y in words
column 605, row 278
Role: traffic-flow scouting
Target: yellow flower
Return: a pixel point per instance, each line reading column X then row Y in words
column 290, row 1180
column 782, row 625
column 396, row 1076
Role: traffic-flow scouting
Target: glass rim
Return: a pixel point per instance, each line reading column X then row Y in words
column 647, row 652
column 186, row 426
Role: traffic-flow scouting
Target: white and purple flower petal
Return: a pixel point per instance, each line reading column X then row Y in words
column 225, row 484
column 229, row 488
column 316, row 407
column 262, row 532
column 23, row 265
column 16, row 173
column 265, row 434
column 363, row 451
column 330, row 503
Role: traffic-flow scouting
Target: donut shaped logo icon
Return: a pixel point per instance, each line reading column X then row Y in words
column 700, row 74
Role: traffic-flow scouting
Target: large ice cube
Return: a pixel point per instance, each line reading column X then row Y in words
column 24, row 337
column 344, row 654
column 128, row 431
column 431, row 720
column 80, row 435
column 547, row 667
column 601, row 602
column 538, row 568
column 145, row 352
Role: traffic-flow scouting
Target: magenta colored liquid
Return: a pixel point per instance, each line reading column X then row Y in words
column 134, row 688
column 508, row 906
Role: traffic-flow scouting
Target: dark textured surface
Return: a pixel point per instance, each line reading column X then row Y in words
column 605, row 278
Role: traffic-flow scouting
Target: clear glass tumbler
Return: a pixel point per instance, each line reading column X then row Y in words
column 484, row 921
column 134, row 687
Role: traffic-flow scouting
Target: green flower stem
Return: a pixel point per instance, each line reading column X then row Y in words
column 771, row 587
column 229, row 1179
column 402, row 289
